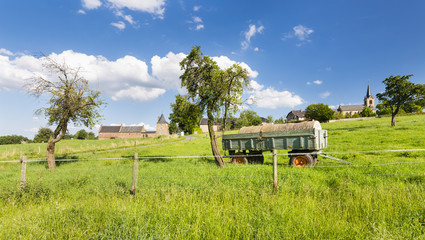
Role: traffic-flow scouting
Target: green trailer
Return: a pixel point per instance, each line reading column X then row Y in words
column 304, row 140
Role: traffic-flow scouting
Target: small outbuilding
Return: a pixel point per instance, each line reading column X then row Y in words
column 295, row 115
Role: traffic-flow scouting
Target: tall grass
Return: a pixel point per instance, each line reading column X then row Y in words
column 190, row 198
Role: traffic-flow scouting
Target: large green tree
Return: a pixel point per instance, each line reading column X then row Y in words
column 321, row 112
column 70, row 100
column 249, row 118
column 217, row 92
column 401, row 93
column 43, row 135
column 186, row 114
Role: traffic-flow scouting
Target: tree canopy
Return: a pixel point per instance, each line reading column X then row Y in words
column 320, row 112
column 217, row 92
column 70, row 100
column 249, row 118
column 43, row 135
column 185, row 114
column 401, row 93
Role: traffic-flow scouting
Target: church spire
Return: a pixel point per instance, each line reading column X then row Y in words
column 368, row 94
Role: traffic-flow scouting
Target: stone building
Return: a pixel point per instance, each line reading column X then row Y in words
column 350, row 110
column 203, row 124
column 126, row 132
column 295, row 115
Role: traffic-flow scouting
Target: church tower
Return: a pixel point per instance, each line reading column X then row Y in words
column 369, row 100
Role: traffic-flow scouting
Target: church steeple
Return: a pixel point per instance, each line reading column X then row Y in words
column 368, row 94
column 369, row 100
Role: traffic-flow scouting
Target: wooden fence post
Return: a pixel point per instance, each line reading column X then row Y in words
column 135, row 163
column 23, row 171
column 274, row 170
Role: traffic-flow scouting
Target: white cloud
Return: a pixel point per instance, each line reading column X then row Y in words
column 198, row 22
column 325, row 94
column 252, row 31
column 5, row 52
column 197, row 19
column 128, row 18
column 224, row 62
column 124, row 78
column 154, row 7
column 91, row 4
column 81, row 11
column 256, row 49
column 301, row 33
column 199, row 26
column 150, row 6
column 196, row 8
column 120, row 25
column 271, row 98
column 138, row 93
column 318, row 82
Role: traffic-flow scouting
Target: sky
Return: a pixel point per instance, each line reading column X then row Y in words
column 297, row 53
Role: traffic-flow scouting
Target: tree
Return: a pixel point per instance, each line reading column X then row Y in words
column 81, row 134
column 12, row 139
column 269, row 119
column 400, row 93
column 43, row 135
column 321, row 112
column 214, row 90
column 249, row 118
column 367, row 112
column 186, row 114
column 91, row 136
column 279, row 121
column 71, row 100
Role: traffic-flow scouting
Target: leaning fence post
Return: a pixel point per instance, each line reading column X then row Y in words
column 23, row 171
column 135, row 163
column 274, row 170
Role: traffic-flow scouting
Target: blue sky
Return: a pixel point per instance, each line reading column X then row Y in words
column 297, row 52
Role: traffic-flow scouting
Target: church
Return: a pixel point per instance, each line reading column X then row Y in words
column 350, row 110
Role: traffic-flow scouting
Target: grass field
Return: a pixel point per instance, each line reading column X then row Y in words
column 380, row 196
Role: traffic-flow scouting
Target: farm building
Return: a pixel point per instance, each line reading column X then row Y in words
column 203, row 124
column 125, row 132
column 368, row 100
column 295, row 115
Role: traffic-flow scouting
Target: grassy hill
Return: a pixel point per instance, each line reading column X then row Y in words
column 379, row 196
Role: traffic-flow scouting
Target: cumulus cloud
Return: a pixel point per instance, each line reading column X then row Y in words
column 154, row 7
column 252, row 31
column 197, row 22
column 120, row 25
column 300, row 32
column 224, row 62
column 81, row 11
column 272, row 98
column 5, row 52
column 124, row 78
column 196, row 8
column 325, row 94
column 91, row 4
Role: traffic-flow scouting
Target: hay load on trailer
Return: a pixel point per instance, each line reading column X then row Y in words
column 304, row 139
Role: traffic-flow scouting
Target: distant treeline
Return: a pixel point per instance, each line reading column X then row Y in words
column 13, row 139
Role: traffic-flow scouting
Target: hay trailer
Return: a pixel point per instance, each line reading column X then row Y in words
column 304, row 139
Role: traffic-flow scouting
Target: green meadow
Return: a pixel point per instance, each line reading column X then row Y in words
column 181, row 194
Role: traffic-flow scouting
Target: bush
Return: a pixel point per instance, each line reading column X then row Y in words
column 12, row 139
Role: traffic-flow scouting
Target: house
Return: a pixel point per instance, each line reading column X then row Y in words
column 126, row 132
column 203, row 124
column 295, row 115
column 350, row 110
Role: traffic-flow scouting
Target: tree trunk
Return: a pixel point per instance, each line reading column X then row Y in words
column 51, row 164
column 214, row 146
column 393, row 120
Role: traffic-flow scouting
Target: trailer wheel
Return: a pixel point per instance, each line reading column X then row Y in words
column 240, row 159
column 301, row 161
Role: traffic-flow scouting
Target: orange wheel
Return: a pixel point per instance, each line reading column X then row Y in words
column 301, row 161
column 240, row 159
